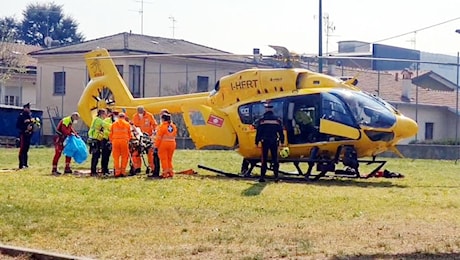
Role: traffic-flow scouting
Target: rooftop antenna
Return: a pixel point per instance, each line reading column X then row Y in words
column 330, row 27
column 413, row 40
column 173, row 20
column 141, row 12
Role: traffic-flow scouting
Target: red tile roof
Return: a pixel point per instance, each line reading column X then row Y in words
column 389, row 87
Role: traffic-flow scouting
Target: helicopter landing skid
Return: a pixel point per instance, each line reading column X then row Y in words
column 325, row 167
column 249, row 176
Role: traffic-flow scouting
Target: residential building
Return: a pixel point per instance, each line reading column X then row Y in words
column 17, row 74
column 151, row 66
column 155, row 66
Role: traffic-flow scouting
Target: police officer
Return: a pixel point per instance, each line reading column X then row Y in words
column 270, row 134
column 24, row 125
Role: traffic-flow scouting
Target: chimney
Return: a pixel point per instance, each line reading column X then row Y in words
column 331, row 68
column 406, row 84
column 256, row 55
column 406, row 89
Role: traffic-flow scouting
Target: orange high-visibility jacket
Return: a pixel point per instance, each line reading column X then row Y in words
column 120, row 130
column 166, row 132
column 147, row 123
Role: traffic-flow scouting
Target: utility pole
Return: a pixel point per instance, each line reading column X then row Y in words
column 320, row 37
column 173, row 24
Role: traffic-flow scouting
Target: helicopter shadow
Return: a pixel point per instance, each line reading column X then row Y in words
column 255, row 189
column 340, row 182
column 407, row 256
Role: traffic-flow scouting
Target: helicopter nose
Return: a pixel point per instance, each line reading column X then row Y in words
column 405, row 127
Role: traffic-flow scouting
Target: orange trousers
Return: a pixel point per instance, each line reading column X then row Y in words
column 137, row 162
column 165, row 153
column 120, row 150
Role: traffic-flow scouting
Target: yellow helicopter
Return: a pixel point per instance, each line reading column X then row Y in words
column 344, row 124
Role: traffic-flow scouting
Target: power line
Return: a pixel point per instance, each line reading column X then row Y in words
column 410, row 32
column 415, row 31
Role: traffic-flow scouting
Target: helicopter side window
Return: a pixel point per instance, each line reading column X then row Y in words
column 250, row 113
column 302, row 119
column 334, row 109
column 245, row 114
column 197, row 118
column 258, row 110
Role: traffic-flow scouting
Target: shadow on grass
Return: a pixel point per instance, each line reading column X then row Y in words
column 410, row 256
column 342, row 182
column 254, row 190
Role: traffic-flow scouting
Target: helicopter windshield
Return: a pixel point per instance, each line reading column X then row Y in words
column 367, row 110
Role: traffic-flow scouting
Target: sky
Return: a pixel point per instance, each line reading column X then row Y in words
column 238, row 26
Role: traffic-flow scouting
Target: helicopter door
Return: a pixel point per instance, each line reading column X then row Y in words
column 335, row 120
column 209, row 127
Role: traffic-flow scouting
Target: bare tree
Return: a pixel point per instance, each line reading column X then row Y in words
column 11, row 60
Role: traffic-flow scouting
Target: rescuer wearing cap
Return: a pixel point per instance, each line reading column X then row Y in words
column 165, row 142
column 270, row 133
column 63, row 130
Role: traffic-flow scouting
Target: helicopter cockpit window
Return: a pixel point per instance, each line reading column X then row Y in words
column 367, row 110
column 335, row 110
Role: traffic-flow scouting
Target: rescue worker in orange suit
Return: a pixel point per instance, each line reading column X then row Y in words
column 120, row 134
column 147, row 123
column 24, row 125
column 165, row 142
column 270, row 134
column 63, row 130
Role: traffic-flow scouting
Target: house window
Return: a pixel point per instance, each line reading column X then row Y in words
column 59, row 83
column 202, row 84
column 135, row 80
column 429, row 131
column 120, row 69
column 12, row 100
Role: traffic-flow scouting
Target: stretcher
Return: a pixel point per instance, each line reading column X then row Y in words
column 141, row 144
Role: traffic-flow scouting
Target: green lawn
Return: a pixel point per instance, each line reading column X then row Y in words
column 211, row 217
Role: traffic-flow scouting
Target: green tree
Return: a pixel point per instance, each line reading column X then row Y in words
column 9, row 29
column 43, row 20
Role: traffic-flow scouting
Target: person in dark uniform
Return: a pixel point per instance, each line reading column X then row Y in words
column 106, row 144
column 24, row 124
column 95, row 137
column 270, row 133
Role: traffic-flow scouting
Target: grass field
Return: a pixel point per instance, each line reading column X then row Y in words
column 211, row 217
